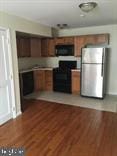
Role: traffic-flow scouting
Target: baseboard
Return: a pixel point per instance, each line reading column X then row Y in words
column 18, row 113
column 111, row 93
column 5, row 118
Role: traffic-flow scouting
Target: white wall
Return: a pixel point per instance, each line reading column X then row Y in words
column 112, row 62
column 15, row 23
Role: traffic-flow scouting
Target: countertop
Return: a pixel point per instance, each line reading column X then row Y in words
column 34, row 68
column 76, row 70
column 40, row 68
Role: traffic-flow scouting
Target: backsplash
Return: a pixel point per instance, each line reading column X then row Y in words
column 25, row 63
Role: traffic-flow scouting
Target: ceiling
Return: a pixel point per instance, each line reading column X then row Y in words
column 52, row 12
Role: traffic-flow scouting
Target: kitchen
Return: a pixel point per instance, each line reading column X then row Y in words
column 58, row 119
column 17, row 24
column 39, row 58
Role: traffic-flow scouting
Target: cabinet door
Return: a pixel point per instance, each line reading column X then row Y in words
column 90, row 39
column 24, row 47
column 49, row 80
column 44, row 47
column 51, row 47
column 69, row 40
column 102, row 39
column 39, row 78
column 35, row 47
column 59, row 40
column 79, row 44
column 75, row 81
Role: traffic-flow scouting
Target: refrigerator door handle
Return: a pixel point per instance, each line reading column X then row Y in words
column 103, row 57
column 102, row 70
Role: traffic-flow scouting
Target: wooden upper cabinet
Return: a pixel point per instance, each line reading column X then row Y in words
column 79, row 44
column 97, row 39
column 23, row 47
column 51, row 47
column 44, row 47
column 59, row 40
column 47, row 47
column 90, row 39
column 75, row 81
column 69, row 40
column 102, row 39
column 82, row 41
column 64, row 40
column 35, row 47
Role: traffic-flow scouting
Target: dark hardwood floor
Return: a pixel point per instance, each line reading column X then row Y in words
column 51, row 129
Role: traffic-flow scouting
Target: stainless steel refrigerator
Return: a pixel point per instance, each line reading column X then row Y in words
column 93, row 72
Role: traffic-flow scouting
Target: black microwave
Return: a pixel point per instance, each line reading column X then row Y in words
column 64, row 50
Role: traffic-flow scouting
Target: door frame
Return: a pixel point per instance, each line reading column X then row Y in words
column 13, row 104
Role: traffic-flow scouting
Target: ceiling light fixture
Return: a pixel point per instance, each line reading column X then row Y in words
column 82, row 15
column 87, row 7
column 62, row 26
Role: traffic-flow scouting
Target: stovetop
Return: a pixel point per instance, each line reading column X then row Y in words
column 65, row 66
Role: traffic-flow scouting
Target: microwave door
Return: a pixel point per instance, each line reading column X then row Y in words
column 64, row 50
column 61, row 52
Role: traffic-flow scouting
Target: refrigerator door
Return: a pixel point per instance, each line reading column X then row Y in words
column 93, row 55
column 92, row 80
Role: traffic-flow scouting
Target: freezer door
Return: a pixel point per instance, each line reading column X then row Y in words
column 92, row 80
column 93, row 55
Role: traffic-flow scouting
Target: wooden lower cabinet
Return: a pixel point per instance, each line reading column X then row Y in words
column 48, row 80
column 75, row 82
column 39, row 80
column 43, row 80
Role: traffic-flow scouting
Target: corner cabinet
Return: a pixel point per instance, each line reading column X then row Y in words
column 75, row 81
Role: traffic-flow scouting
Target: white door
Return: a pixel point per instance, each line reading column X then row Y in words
column 5, row 79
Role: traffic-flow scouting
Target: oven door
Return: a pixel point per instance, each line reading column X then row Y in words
column 61, row 77
column 62, row 81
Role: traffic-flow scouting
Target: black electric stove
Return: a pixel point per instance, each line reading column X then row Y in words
column 62, row 76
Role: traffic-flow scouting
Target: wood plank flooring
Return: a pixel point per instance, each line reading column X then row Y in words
column 51, row 129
